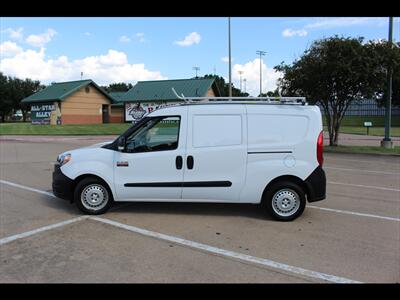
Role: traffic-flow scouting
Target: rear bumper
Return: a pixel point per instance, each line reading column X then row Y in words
column 63, row 187
column 316, row 185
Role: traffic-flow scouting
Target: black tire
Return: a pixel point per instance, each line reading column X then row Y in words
column 284, row 187
column 102, row 189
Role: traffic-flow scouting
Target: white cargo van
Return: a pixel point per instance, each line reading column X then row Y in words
column 217, row 151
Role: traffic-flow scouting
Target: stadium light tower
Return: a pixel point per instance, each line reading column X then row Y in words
column 230, row 58
column 387, row 141
column 261, row 53
column 197, row 69
column 240, row 74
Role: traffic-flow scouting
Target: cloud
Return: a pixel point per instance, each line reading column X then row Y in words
column 9, row 48
column 140, row 37
column 334, row 22
column 103, row 69
column 288, row 32
column 87, row 33
column 251, row 71
column 328, row 23
column 124, row 39
column 39, row 40
column 14, row 34
column 226, row 59
column 190, row 39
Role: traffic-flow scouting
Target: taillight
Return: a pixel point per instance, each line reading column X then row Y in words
column 320, row 148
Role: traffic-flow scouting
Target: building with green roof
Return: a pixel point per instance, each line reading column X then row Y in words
column 84, row 102
column 147, row 96
column 72, row 102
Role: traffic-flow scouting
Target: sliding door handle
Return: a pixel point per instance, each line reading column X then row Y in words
column 179, row 162
column 190, row 162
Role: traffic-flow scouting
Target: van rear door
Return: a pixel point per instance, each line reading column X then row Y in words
column 216, row 153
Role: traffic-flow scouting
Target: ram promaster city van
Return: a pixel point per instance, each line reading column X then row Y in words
column 262, row 152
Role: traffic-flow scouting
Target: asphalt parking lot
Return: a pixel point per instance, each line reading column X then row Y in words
column 352, row 236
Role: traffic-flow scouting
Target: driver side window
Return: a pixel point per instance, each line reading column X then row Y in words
column 157, row 134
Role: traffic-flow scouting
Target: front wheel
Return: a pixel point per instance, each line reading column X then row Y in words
column 92, row 196
column 284, row 201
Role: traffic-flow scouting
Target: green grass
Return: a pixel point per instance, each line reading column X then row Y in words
column 94, row 129
column 362, row 149
column 359, row 121
column 116, row 129
column 379, row 131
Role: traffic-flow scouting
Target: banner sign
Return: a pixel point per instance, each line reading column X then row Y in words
column 135, row 111
column 41, row 113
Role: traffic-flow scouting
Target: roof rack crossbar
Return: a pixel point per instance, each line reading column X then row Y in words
column 270, row 100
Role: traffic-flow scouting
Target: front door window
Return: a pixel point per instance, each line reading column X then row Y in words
column 157, row 134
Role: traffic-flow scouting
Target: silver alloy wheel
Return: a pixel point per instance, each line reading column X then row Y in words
column 285, row 202
column 94, row 197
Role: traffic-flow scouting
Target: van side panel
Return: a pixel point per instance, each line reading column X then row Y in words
column 281, row 141
column 218, row 145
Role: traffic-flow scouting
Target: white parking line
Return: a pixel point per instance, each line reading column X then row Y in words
column 27, row 188
column 228, row 253
column 365, row 186
column 365, row 171
column 354, row 213
column 191, row 244
column 41, row 229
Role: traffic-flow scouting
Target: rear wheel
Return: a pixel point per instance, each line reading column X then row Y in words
column 92, row 196
column 284, row 201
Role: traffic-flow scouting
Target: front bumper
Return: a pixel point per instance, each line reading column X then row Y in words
column 63, row 187
column 316, row 185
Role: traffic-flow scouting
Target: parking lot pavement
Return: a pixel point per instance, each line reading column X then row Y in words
column 93, row 252
column 358, row 240
column 23, row 210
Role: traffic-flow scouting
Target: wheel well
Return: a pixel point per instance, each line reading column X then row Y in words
column 81, row 177
column 290, row 178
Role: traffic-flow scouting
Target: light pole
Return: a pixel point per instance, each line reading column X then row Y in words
column 261, row 53
column 244, row 80
column 197, row 69
column 81, row 75
column 387, row 142
column 230, row 59
column 240, row 74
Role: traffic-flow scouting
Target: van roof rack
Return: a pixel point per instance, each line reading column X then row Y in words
column 242, row 100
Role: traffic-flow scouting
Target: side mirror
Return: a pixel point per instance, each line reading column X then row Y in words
column 121, row 143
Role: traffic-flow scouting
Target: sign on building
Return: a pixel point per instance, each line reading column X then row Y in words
column 135, row 111
column 41, row 113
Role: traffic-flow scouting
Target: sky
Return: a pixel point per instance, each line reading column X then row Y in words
column 131, row 49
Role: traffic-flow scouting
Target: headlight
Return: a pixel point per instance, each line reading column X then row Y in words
column 64, row 158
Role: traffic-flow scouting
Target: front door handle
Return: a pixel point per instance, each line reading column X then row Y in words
column 179, row 162
column 190, row 162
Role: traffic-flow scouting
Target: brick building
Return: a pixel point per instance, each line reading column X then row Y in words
column 73, row 102
column 84, row 102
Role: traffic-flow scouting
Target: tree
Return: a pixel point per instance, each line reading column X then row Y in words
column 382, row 55
column 12, row 91
column 223, row 87
column 118, row 87
column 333, row 72
column 5, row 100
column 270, row 94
